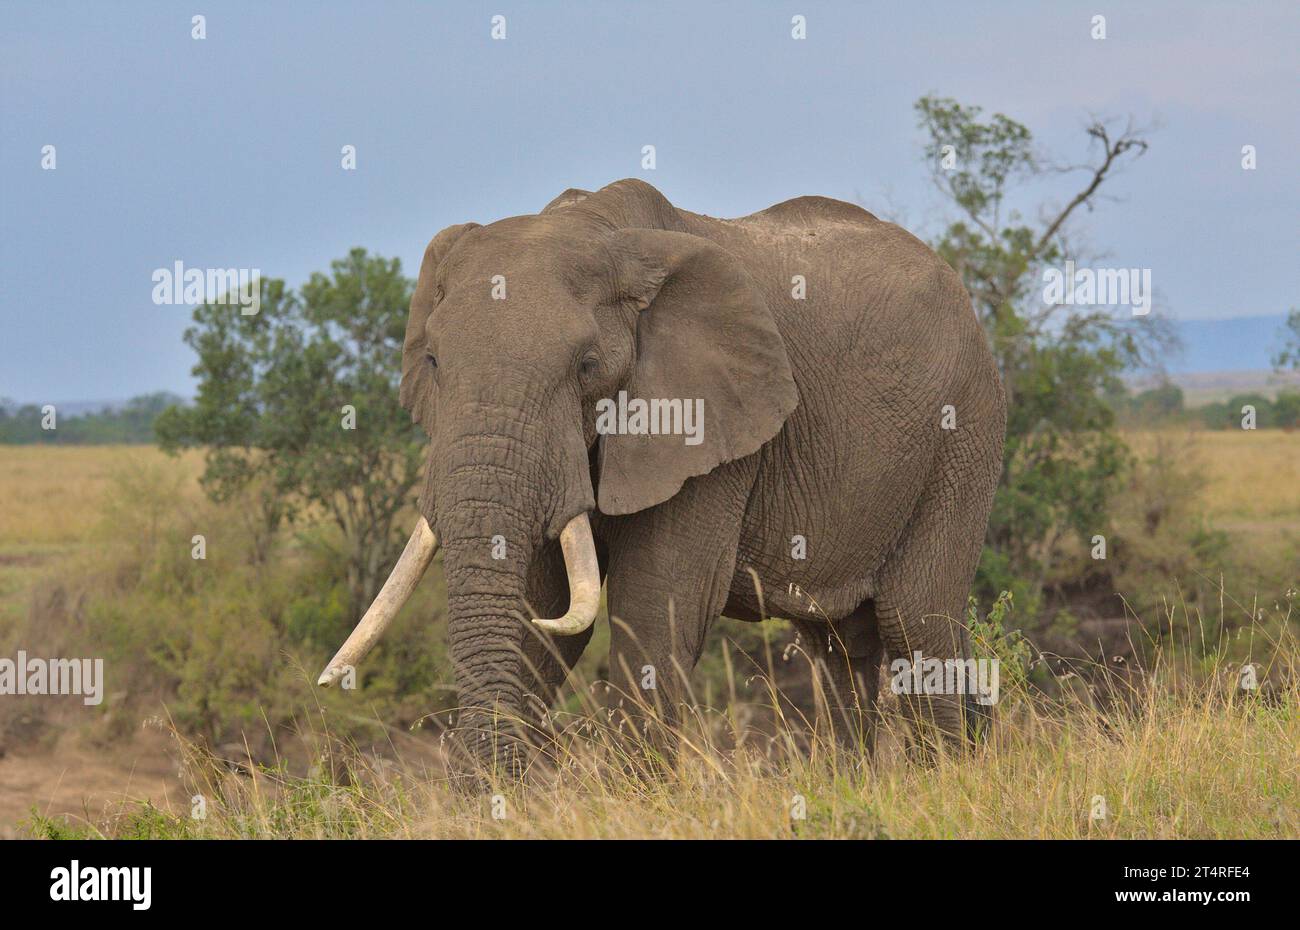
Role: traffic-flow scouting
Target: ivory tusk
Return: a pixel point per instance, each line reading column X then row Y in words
column 584, row 580
column 406, row 574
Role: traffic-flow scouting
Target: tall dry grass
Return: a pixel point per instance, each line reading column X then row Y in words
column 1252, row 477
column 1181, row 750
column 53, row 494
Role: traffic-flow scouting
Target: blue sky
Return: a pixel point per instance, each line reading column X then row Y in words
column 225, row 152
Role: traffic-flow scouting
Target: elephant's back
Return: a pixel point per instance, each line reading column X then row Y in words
column 847, row 287
column 810, row 211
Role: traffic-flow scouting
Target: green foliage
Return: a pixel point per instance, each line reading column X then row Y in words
column 230, row 647
column 1283, row 412
column 991, row 639
column 130, row 424
column 1158, row 402
column 1160, row 533
column 996, row 568
column 1286, row 409
column 1157, row 406
column 300, row 402
column 987, row 156
column 1063, row 460
column 1163, row 405
column 40, row 827
column 318, row 617
column 138, row 820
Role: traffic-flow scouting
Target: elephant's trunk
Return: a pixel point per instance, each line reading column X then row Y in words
column 494, row 497
column 486, row 626
column 486, row 547
column 507, row 470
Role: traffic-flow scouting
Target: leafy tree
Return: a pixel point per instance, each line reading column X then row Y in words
column 1228, row 414
column 298, row 403
column 1286, row 409
column 1063, row 459
column 1156, row 404
column 1161, row 404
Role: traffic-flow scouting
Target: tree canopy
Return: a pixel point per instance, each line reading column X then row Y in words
column 299, row 403
column 1063, row 458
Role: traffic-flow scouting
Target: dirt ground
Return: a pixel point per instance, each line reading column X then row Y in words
column 85, row 782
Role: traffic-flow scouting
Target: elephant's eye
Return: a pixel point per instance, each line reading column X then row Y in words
column 588, row 367
column 433, row 362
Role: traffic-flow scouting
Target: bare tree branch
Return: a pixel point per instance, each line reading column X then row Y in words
column 1128, row 141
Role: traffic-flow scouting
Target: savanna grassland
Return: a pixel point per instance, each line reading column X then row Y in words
column 210, row 665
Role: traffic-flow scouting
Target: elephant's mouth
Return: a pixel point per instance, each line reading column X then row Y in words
column 579, row 562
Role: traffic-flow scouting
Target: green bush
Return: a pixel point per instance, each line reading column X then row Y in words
column 231, row 644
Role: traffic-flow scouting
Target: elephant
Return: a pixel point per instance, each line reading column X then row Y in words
column 832, row 461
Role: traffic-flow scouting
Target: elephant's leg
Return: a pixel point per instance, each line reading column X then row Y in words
column 845, row 657
column 671, row 568
column 922, row 591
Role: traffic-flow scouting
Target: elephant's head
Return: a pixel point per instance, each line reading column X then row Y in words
column 517, row 329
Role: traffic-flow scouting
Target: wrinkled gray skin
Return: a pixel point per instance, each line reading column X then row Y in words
column 822, row 419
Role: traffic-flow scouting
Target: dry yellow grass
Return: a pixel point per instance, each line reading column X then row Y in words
column 52, row 494
column 1251, row 475
column 1189, row 756
column 1251, row 490
column 52, row 503
column 1174, row 760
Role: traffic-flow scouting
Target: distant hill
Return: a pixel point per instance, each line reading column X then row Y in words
column 1246, row 343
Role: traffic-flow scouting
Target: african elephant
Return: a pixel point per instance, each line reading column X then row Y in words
column 847, row 442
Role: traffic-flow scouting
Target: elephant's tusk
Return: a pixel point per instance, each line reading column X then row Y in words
column 406, row 574
column 584, row 580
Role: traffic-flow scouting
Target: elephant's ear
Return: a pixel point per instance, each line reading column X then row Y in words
column 417, row 379
column 704, row 332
